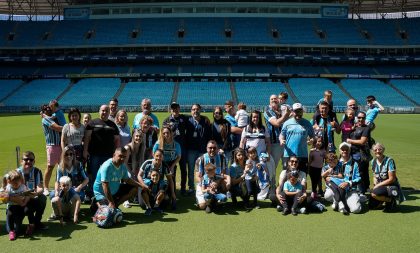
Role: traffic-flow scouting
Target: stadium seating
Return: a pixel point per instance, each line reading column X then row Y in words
column 91, row 91
column 6, row 86
column 204, row 93
column 204, row 30
column 37, row 92
column 310, row 90
column 257, row 93
column 341, row 32
column 361, row 88
column 159, row 92
column 411, row 88
column 411, row 26
column 296, row 31
column 382, row 31
column 251, row 31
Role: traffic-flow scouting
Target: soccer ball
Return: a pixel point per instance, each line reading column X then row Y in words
column 118, row 216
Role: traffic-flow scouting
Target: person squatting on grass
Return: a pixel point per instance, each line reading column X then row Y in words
column 386, row 187
column 210, row 185
column 66, row 204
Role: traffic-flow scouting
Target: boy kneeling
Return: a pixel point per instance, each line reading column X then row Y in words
column 66, row 205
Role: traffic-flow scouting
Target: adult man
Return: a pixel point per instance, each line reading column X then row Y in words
column 57, row 112
column 198, row 133
column 33, row 181
column 108, row 188
column 325, row 125
column 274, row 119
column 218, row 160
column 146, row 107
column 235, row 131
column 101, row 139
column 328, row 99
column 351, row 104
column 113, row 109
column 178, row 123
column 294, row 135
column 53, row 141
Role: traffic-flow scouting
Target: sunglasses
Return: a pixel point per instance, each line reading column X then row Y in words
column 28, row 159
column 361, row 117
column 293, row 161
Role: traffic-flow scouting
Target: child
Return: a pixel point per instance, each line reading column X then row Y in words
column 292, row 191
column 330, row 170
column 156, row 192
column 316, row 162
column 263, row 177
column 251, row 176
column 86, row 119
column 374, row 108
column 16, row 205
column 347, row 125
column 66, row 205
column 209, row 186
column 242, row 116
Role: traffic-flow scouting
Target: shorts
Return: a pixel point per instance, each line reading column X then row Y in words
column 53, row 155
column 122, row 191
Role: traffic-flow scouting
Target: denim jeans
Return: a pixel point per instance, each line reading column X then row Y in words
column 217, row 196
column 95, row 162
column 192, row 156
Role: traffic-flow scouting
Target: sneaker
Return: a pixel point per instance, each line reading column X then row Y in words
column 294, row 212
column 208, row 209
column 46, row 192
column 228, row 195
column 12, row 235
column 52, row 218
column 257, row 206
column 344, row 211
column 334, row 206
column 390, row 206
column 286, row 211
column 183, row 192
column 157, row 209
column 279, row 208
column 363, row 198
column 302, row 210
column 41, row 226
column 148, row 212
column 30, row 229
column 126, row 204
column 190, row 192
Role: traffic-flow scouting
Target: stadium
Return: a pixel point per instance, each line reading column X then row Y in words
column 84, row 53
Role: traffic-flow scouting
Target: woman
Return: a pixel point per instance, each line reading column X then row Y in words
column 149, row 136
column 135, row 152
column 121, row 119
column 238, row 187
column 386, row 186
column 255, row 135
column 69, row 166
column 360, row 152
column 73, row 133
column 220, row 132
column 171, row 155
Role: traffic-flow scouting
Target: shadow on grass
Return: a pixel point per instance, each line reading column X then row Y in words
column 55, row 230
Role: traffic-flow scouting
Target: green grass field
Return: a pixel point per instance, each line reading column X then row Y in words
column 263, row 230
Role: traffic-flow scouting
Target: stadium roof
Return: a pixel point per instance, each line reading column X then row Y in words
column 55, row 8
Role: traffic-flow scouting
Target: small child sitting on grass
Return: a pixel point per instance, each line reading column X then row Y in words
column 292, row 190
column 156, row 192
column 209, row 186
column 66, row 205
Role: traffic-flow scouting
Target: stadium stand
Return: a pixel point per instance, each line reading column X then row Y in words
column 159, row 92
column 303, row 88
column 341, row 32
column 296, row 31
column 410, row 88
column 81, row 94
column 17, row 70
column 360, row 88
column 257, row 93
column 204, row 93
column 37, row 92
column 203, row 30
column 382, row 32
column 255, row 31
column 7, row 86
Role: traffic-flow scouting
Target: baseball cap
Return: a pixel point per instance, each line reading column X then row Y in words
column 174, row 105
column 345, row 145
column 297, row 106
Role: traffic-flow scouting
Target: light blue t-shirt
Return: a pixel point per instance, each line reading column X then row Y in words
column 296, row 133
column 371, row 114
column 111, row 174
column 170, row 151
column 236, row 171
column 139, row 116
column 292, row 188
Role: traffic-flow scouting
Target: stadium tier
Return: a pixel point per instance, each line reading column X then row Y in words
column 7, row 86
column 304, row 88
column 411, row 88
column 204, row 93
column 360, row 88
column 37, row 92
column 92, row 91
column 154, row 31
column 258, row 93
column 159, row 92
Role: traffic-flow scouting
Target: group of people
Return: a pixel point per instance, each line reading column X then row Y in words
column 102, row 161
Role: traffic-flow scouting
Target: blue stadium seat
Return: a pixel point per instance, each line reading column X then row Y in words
column 6, row 86
column 257, row 93
column 159, row 92
column 410, row 88
column 204, row 93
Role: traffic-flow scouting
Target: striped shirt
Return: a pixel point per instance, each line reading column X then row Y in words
column 52, row 137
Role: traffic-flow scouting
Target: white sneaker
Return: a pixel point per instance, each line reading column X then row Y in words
column 46, row 192
column 302, row 210
column 228, row 195
column 126, row 204
column 334, row 206
column 340, row 207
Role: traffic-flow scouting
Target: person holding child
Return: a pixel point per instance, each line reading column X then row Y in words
column 16, row 205
column 210, row 186
column 331, row 169
column 66, row 204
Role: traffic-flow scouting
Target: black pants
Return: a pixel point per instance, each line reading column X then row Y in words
column 253, row 189
column 35, row 208
column 339, row 194
column 364, row 174
column 183, row 168
column 15, row 215
column 292, row 202
column 315, row 174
